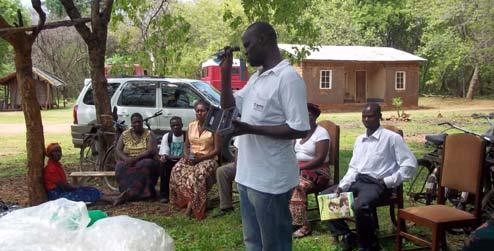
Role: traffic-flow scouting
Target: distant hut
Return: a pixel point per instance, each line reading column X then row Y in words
column 48, row 91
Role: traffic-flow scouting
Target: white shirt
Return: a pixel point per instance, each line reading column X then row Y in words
column 307, row 150
column 164, row 147
column 384, row 155
column 275, row 97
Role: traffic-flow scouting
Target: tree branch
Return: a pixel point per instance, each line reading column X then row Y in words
column 42, row 19
column 5, row 25
column 106, row 12
column 9, row 30
column 74, row 13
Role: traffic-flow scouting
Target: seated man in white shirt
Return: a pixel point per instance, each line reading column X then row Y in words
column 380, row 160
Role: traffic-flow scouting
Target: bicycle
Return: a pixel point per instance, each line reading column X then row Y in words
column 431, row 163
column 89, row 154
column 109, row 159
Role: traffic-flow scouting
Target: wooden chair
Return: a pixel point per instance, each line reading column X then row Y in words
column 461, row 170
column 334, row 160
column 395, row 199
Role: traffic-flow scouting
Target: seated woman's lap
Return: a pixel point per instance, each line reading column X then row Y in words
column 138, row 179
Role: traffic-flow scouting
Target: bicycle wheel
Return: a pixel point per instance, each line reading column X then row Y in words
column 109, row 165
column 488, row 205
column 422, row 187
column 88, row 156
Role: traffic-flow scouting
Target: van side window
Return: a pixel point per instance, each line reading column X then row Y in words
column 178, row 96
column 140, row 94
column 89, row 99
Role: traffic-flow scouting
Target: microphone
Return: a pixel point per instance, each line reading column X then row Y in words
column 221, row 52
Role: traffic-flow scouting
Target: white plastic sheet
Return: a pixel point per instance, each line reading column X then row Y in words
column 61, row 225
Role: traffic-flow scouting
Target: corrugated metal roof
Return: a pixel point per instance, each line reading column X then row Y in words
column 48, row 77
column 353, row 53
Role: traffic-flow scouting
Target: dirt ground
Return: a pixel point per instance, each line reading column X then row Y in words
column 14, row 190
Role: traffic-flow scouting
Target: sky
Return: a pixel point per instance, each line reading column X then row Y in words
column 26, row 3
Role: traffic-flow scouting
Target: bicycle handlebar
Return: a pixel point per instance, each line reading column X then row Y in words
column 459, row 128
column 156, row 114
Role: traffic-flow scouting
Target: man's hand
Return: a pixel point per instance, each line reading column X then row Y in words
column 337, row 191
column 240, row 128
column 227, row 61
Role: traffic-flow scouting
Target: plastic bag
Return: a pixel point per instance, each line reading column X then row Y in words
column 127, row 233
column 61, row 225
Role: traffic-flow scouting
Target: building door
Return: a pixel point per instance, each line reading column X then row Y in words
column 360, row 86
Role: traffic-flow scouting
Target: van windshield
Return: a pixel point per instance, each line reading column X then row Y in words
column 210, row 92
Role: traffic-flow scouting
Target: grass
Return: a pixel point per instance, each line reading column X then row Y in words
column 225, row 233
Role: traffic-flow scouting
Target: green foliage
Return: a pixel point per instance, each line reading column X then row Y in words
column 8, row 10
column 56, row 8
column 458, row 36
column 397, row 102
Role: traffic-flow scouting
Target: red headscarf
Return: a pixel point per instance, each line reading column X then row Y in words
column 51, row 147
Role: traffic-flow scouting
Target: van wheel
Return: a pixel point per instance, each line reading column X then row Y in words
column 227, row 150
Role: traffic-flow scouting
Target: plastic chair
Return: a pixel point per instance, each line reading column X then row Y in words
column 461, row 170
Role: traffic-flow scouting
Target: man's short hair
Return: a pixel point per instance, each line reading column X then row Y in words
column 136, row 114
column 177, row 118
column 372, row 106
column 263, row 28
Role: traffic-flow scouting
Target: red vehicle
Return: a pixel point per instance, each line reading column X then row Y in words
column 211, row 73
column 137, row 70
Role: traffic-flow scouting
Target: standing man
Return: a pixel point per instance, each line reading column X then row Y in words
column 273, row 108
column 380, row 160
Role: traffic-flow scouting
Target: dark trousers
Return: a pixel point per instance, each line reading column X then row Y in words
column 367, row 192
column 165, row 171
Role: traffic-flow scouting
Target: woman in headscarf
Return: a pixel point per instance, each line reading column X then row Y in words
column 194, row 174
column 56, row 184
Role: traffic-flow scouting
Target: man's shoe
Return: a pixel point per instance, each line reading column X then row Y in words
column 349, row 242
column 164, row 200
column 223, row 212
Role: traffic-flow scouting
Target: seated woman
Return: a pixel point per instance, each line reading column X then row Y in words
column 136, row 170
column 194, row 174
column 56, row 184
column 312, row 156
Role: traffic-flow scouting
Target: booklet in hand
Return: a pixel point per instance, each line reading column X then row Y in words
column 332, row 207
column 220, row 120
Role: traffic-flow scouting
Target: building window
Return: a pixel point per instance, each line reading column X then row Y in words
column 326, row 79
column 400, row 80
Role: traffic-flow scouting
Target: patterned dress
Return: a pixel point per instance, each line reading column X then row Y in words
column 191, row 183
column 140, row 178
column 312, row 179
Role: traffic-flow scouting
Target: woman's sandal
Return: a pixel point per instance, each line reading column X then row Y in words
column 302, row 232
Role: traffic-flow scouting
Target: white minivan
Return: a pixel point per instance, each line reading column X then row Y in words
column 146, row 95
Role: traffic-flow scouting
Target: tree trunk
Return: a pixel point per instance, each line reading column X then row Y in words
column 23, row 43
column 35, row 140
column 473, row 83
column 95, row 39
column 101, row 99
